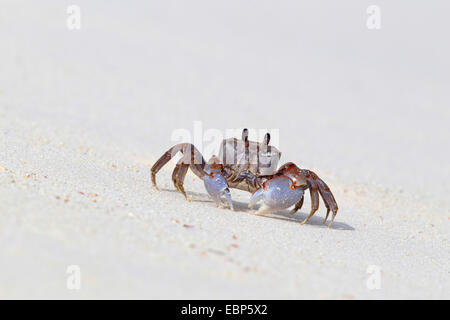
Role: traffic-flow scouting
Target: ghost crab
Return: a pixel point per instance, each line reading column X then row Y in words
column 250, row 166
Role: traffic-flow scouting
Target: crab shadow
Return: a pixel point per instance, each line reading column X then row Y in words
column 315, row 221
column 284, row 215
column 193, row 196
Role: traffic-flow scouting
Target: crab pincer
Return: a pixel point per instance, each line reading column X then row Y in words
column 216, row 186
column 276, row 194
column 215, row 183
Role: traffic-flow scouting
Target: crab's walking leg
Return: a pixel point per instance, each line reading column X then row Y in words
column 250, row 178
column 328, row 210
column 159, row 164
column 313, row 189
column 192, row 159
column 328, row 198
column 298, row 206
column 317, row 186
column 178, row 176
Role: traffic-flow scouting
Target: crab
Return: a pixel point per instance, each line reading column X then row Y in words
column 249, row 166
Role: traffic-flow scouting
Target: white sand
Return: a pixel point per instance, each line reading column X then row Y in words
column 84, row 114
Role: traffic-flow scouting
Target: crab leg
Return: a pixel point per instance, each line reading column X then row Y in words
column 298, row 206
column 249, row 177
column 328, row 198
column 158, row 165
column 317, row 185
column 178, row 176
column 192, row 158
column 313, row 190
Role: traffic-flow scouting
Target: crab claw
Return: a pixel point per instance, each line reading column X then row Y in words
column 277, row 194
column 216, row 185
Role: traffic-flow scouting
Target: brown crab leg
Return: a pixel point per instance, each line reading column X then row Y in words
column 328, row 212
column 174, row 176
column 298, row 206
column 178, row 176
column 325, row 201
column 328, row 199
column 313, row 189
column 158, row 165
column 192, row 157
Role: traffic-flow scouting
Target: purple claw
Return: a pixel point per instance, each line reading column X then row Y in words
column 216, row 185
column 256, row 197
column 276, row 195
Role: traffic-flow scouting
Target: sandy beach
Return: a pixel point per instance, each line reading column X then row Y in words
column 85, row 113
